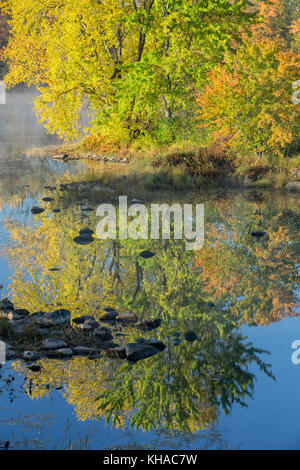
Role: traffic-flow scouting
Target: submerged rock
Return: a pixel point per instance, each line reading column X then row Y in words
column 48, row 199
column 83, row 239
column 190, row 336
column 147, row 254
column 258, row 233
column 37, row 210
column 137, row 351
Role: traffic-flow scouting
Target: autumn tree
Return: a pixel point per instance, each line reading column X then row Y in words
column 248, row 97
column 129, row 63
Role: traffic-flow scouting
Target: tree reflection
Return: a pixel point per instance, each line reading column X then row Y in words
column 183, row 388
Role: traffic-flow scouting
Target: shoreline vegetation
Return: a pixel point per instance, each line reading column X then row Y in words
column 177, row 169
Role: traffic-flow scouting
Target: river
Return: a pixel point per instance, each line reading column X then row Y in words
column 234, row 387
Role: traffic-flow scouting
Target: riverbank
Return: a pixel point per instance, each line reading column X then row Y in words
column 179, row 169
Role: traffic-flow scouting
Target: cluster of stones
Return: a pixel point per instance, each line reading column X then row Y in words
column 81, row 187
column 98, row 340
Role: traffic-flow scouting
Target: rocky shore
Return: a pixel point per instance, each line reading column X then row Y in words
column 57, row 335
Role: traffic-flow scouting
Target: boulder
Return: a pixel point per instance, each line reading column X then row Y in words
column 137, row 351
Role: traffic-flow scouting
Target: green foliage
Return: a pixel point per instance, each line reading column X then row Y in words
column 127, row 62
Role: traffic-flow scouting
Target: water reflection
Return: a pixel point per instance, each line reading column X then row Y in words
column 236, row 278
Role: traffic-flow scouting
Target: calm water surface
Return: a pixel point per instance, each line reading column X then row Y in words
column 235, row 387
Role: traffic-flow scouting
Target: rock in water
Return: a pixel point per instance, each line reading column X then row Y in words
column 147, row 254
column 137, row 351
column 190, row 336
column 83, row 240
column 258, row 233
column 48, row 199
column 37, row 210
